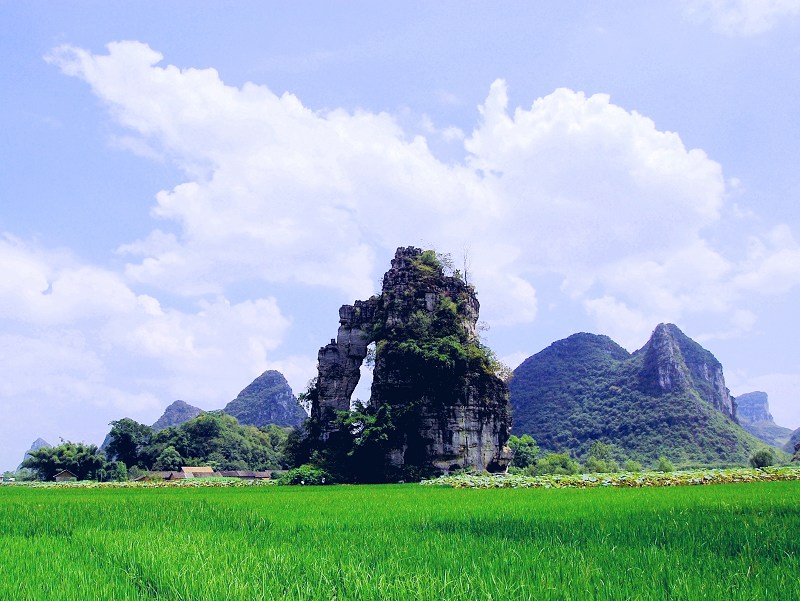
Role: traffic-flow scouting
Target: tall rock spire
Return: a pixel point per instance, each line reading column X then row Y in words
column 450, row 409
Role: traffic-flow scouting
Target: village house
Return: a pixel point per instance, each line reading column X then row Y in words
column 65, row 476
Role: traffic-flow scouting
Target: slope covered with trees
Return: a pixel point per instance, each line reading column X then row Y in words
column 212, row 438
column 666, row 399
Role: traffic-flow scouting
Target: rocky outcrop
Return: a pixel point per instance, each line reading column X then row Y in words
column 39, row 443
column 431, row 373
column 267, row 400
column 752, row 410
column 753, row 407
column 176, row 414
column 339, row 362
column 676, row 362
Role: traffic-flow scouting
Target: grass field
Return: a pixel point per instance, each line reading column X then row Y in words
column 734, row 541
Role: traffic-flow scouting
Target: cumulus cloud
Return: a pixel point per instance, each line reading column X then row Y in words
column 573, row 185
column 742, row 17
column 77, row 340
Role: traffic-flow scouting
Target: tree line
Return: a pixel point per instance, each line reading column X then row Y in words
column 212, row 439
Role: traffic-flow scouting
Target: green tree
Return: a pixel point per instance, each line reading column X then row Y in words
column 762, row 458
column 128, row 439
column 525, row 450
column 82, row 460
column 113, row 471
column 168, row 460
column 217, row 439
column 601, row 450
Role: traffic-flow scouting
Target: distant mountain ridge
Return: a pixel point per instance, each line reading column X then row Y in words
column 176, row 414
column 668, row 398
column 752, row 410
column 39, row 443
column 267, row 400
column 794, row 439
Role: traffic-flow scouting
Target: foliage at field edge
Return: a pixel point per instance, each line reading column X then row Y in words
column 621, row 479
column 212, row 438
column 309, row 476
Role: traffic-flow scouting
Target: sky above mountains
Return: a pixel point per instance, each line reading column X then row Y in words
column 191, row 191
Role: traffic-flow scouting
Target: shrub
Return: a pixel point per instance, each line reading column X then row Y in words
column 633, row 466
column 601, row 466
column 556, row 463
column 664, row 465
column 762, row 458
column 306, row 475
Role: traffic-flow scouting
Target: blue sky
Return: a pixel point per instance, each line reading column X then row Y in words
column 191, row 189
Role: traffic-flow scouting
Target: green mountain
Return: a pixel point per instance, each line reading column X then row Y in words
column 668, row 398
column 177, row 413
column 752, row 411
column 267, row 400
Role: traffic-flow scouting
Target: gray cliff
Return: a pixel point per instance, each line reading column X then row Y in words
column 752, row 409
column 677, row 363
column 430, row 370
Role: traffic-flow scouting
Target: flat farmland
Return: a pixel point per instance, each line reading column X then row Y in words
column 730, row 541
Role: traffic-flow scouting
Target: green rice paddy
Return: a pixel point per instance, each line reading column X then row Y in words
column 732, row 541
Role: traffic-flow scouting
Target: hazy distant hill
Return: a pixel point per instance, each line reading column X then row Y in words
column 267, row 400
column 752, row 411
column 793, row 440
column 176, row 414
column 39, row 443
column 667, row 398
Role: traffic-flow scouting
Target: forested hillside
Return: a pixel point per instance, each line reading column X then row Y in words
column 667, row 399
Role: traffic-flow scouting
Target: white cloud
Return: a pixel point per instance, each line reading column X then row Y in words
column 514, row 359
column 742, row 17
column 46, row 287
column 77, row 340
column 772, row 265
column 574, row 186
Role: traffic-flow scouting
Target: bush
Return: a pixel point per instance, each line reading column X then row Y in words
column 664, row 465
column 556, row 463
column 306, row 475
column 601, row 466
column 762, row 458
column 633, row 466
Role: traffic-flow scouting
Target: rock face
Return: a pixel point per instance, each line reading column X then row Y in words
column 668, row 398
column 39, row 443
column 752, row 410
column 176, row 414
column 753, row 407
column 431, row 374
column 677, row 363
column 267, row 400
